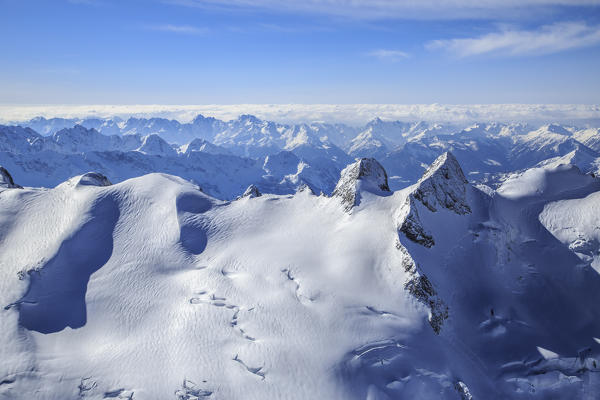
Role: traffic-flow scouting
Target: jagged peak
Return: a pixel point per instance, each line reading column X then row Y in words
column 447, row 165
column 443, row 185
column 6, row 180
column 75, row 129
column 252, row 192
column 366, row 174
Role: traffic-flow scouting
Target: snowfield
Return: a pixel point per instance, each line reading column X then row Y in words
column 152, row 289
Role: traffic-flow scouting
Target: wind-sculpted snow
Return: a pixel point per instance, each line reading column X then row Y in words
column 55, row 298
column 178, row 295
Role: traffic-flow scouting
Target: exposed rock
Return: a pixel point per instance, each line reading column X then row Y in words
column 366, row 174
column 463, row 390
column 6, row 180
column 443, row 185
column 411, row 225
column 93, row 179
column 252, row 192
column 421, row 288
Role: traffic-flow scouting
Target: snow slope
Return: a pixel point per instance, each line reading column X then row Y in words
column 151, row 289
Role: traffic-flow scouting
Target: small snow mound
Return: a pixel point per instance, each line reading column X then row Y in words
column 366, row 174
column 444, row 185
column 6, row 180
column 93, row 179
column 252, row 192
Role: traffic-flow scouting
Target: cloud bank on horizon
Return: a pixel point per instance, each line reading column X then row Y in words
column 353, row 114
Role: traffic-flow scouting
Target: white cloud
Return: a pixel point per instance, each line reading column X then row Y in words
column 388, row 55
column 408, row 9
column 545, row 40
column 355, row 114
column 184, row 29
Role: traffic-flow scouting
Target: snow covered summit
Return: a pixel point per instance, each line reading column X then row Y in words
column 365, row 175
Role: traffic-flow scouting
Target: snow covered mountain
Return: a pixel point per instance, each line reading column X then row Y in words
column 310, row 154
column 152, row 289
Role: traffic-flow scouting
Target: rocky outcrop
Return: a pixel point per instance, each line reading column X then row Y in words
column 411, row 225
column 421, row 288
column 6, row 180
column 251, row 192
column 93, row 179
column 442, row 186
column 366, row 174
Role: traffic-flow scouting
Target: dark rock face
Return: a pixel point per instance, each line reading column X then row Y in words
column 443, row 185
column 412, row 227
column 6, row 180
column 94, row 179
column 252, row 192
column 421, row 288
column 366, row 174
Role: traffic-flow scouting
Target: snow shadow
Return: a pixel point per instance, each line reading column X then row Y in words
column 192, row 235
column 55, row 298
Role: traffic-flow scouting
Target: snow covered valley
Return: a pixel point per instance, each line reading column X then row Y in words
column 151, row 288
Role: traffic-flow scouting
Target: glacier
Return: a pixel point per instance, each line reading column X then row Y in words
column 256, row 260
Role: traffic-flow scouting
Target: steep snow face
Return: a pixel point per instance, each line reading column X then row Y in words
column 365, row 175
column 6, row 180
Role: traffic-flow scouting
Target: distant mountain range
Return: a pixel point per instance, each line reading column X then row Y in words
column 225, row 157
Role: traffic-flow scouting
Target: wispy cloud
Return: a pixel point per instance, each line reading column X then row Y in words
column 183, row 29
column 545, row 40
column 388, row 55
column 404, row 9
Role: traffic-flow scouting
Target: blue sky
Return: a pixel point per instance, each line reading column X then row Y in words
column 290, row 51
